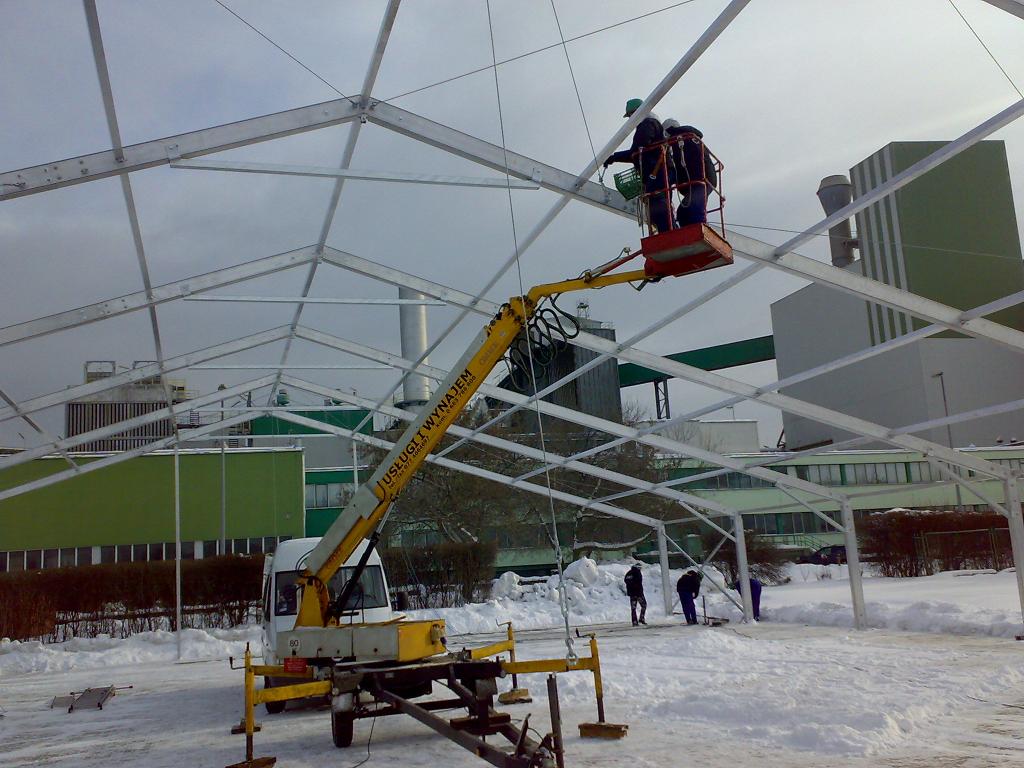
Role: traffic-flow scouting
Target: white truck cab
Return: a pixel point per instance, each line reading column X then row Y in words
column 370, row 603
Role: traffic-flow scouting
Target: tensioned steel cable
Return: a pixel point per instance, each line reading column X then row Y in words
column 575, row 87
column 282, row 50
column 563, row 599
column 478, row 70
column 987, row 49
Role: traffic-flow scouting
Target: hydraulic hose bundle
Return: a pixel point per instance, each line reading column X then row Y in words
column 546, row 335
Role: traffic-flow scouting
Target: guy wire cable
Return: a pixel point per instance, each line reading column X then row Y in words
column 562, row 597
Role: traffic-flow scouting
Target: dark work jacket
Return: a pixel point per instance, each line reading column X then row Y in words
column 634, row 582
column 688, row 585
column 688, row 158
column 648, row 132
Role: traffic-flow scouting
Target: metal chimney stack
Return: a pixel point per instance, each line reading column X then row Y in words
column 835, row 192
column 412, row 321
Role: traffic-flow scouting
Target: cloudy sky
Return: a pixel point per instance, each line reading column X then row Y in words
column 793, row 91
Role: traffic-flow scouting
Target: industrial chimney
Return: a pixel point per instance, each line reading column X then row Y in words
column 412, row 321
column 835, row 192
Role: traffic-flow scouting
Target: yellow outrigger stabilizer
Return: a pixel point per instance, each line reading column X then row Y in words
column 471, row 674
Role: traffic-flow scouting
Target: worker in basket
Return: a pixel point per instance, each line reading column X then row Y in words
column 647, row 155
column 694, row 169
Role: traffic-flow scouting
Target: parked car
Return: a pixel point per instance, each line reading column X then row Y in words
column 832, row 555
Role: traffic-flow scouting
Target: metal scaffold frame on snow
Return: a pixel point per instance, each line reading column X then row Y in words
column 182, row 151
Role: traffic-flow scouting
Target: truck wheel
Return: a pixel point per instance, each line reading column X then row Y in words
column 273, row 707
column 341, row 728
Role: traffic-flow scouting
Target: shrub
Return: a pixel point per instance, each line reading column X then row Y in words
column 764, row 559
column 903, row 542
column 441, row 575
column 124, row 598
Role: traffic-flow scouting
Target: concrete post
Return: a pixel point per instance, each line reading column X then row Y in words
column 741, row 565
column 1013, row 506
column 666, row 580
column 853, row 564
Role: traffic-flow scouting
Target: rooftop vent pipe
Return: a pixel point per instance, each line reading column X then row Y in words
column 413, row 324
column 835, row 192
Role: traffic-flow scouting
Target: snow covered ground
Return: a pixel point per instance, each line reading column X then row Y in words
column 768, row 695
column 781, row 693
column 963, row 602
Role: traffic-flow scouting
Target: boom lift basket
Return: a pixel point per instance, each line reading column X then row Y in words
column 687, row 244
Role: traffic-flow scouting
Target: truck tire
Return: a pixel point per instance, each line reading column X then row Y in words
column 273, row 707
column 342, row 726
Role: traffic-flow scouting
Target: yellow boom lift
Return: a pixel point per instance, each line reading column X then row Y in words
column 374, row 669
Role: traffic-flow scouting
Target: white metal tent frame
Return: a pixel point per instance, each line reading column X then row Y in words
column 124, row 160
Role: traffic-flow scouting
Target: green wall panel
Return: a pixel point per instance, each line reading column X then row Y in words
column 319, row 520
column 133, row 502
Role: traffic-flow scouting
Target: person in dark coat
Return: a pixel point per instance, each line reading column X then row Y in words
column 755, row 596
column 694, row 170
column 650, row 161
column 635, row 590
column 688, row 588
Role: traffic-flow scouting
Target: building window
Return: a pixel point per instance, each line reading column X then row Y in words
column 124, row 553
column 256, row 546
column 269, row 544
column 240, row 546
column 3, row 562
column 140, row 553
column 51, row 558
column 108, row 553
column 210, row 548
column 335, row 495
column 16, row 560
column 84, row 556
column 310, row 496
column 33, row 559
column 156, row 551
column 67, row 557
column 321, row 495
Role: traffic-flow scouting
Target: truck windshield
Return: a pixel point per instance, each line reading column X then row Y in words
column 369, row 594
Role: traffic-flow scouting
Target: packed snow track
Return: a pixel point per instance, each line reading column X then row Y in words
column 765, row 695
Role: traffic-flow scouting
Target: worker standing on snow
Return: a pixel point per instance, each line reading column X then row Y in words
column 635, row 590
column 695, row 172
column 658, row 175
column 755, row 596
column 688, row 588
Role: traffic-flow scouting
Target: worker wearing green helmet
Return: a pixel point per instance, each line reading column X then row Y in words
column 658, row 176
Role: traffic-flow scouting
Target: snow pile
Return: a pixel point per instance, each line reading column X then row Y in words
column 595, row 592
column 962, row 602
column 104, row 651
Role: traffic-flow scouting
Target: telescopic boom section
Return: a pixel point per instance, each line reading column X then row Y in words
column 364, row 516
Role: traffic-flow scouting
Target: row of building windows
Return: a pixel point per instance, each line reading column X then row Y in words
column 887, row 473
column 321, row 495
column 36, row 559
column 785, row 523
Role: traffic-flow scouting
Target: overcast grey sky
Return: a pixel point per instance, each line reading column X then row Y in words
column 793, row 91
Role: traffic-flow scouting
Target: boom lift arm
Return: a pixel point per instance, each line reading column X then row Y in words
column 365, row 515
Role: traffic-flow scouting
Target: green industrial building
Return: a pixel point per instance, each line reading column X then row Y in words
column 126, row 511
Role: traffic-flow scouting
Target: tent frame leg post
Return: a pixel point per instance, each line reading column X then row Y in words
column 743, row 567
column 853, row 565
column 1011, row 489
column 666, row 580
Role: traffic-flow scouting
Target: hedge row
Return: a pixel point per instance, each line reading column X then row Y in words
column 441, row 575
column 916, row 543
column 123, row 598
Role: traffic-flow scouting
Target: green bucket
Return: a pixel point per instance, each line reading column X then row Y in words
column 628, row 183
